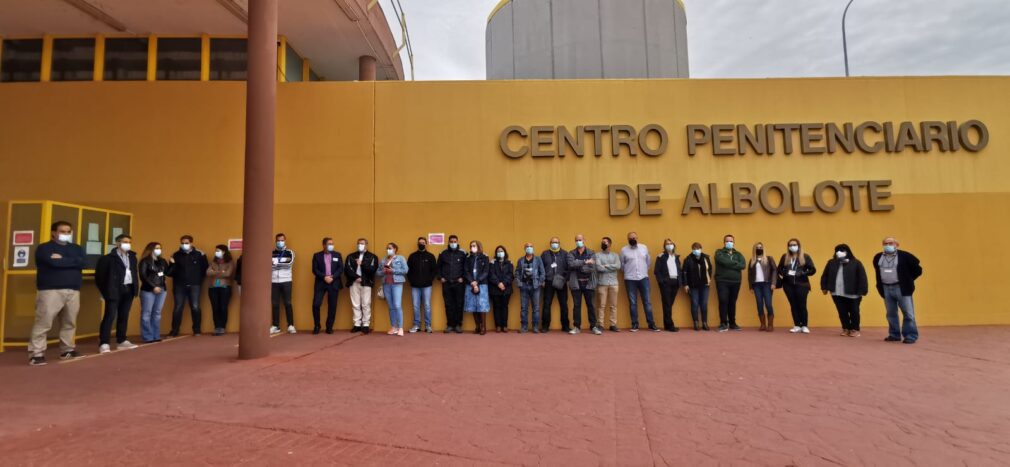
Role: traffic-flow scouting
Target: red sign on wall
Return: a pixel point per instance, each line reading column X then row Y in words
column 235, row 244
column 24, row 237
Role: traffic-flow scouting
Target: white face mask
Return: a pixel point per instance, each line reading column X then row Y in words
column 841, row 254
column 669, row 248
column 66, row 238
column 361, row 247
column 125, row 246
column 794, row 248
column 389, row 251
column 329, row 247
column 473, row 249
column 157, row 252
column 501, row 255
column 219, row 254
column 186, row 246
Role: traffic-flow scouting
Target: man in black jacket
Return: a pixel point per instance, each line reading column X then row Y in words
column 421, row 271
column 555, row 284
column 118, row 281
column 187, row 268
column 896, row 272
column 360, row 272
column 326, row 266
column 450, row 273
column 58, row 280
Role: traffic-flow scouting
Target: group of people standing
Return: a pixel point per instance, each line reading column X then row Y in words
column 471, row 282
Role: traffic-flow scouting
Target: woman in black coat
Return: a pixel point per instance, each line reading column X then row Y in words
column 845, row 279
column 795, row 270
column 500, row 277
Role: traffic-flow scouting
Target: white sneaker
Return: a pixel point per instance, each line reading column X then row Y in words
column 795, row 329
column 126, row 345
column 414, row 329
column 805, row 330
column 104, row 348
column 275, row 330
column 292, row 330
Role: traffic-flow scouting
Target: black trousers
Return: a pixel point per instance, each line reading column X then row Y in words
column 668, row 294
column 550, row 293
column 797, row 297
column 330, row 292
column 728, row 293
column 117, row 311
column 220, row 297
column 577, row 296
column 180, row 295
column 281, row 292
column 848, row 312
column 500, row 306
column 452, row 295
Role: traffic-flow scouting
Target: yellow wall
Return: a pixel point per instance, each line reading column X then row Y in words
column 394, row 160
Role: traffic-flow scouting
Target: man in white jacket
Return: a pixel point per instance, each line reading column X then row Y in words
column 280, row 285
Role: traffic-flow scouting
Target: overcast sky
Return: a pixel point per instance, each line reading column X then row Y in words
column 764, row 38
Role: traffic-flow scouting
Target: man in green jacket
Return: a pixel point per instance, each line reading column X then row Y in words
column 728, row 264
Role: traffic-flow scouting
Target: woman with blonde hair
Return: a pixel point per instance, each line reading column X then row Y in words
column 795, row 270
column 762, row 275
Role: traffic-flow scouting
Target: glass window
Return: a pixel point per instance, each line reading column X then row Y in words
column 228, row 59
column 22, row 60
column 178, row 59
column 73, row 60
column 125, row 59
column 292, row 66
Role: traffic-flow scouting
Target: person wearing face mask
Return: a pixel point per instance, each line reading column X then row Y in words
column 668, row 277
column 188, row 268
column 326, row 267
column 582, row 281
column 359, row 270
column 280, row 285
column 762, row 276
column 728, row 266
column 393, row 274
column 795, row 270
column 116, row 276
column 152, row 269
column 697, row 279
column 635, row 262
column 896, row 272
column 499, row 279
column 221, row 273
column 450, row 274
column 421, row 273
column 530, row 276
column 58, row 281
column 845, row 279
column 555, row 285
column 608, row 264
column 477, row 300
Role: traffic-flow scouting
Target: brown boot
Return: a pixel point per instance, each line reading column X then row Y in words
column 483, row 323
column 771, row 323
column 476, row 323
column 763, row 327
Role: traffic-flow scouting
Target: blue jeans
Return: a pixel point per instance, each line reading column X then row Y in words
column 150, row 315
column 394, row 298
column 635, row 288
column 763, row 296
column 699, row 304
column 527, row 297
column 417, row 293
column 893, row 300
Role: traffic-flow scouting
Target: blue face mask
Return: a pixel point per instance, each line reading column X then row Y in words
column 580, row 243
column 529, row 250
column 890, row 249
column 453, row 245
column 501, row 255
column 696, row 252
column 555, row 246
column 729, row 245
column 280, row 244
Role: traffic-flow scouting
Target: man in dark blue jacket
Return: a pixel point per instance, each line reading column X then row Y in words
column 326, row 266
column 119, row 283
column 58, row 264
column 897, row 271
column 450, row 273
column 187, row 268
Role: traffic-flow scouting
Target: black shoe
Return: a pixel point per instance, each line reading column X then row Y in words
column 366, row 330
column 704, row 326
column 908, row 341
column 734, row 327
column 614, row 329
column 449, row 330
column 329, row 330
column 173, row 334
column 652, row 327
column 459, row 329
column 634, row 328
column 545, row 330
column 697, row 325
column 70, row 355
column 565, row 329
column 723, row 328
column 356, row 329
column 37, row 360
column 892, row 339
column 672, row 329
column 315, row 330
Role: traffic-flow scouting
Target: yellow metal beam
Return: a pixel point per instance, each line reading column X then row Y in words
column 204, row 57
column 99, row 58
column 281, row 61
column 152, row 57
column 47, row 58
column 306, row 71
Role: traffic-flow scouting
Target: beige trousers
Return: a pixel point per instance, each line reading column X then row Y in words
column 606, row 298
column 49, row 304
column 361, row 302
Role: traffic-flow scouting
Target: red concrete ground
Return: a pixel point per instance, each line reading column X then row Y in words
column 691, row 398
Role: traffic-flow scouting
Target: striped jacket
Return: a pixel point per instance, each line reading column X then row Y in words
column 283, row 262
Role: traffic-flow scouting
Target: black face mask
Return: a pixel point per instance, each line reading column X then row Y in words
column 760, row 251
column 604, row 246
column 420, row 247
column 633, row 242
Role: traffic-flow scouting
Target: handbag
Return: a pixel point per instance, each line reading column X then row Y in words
column 381, row 294
column 558, row 282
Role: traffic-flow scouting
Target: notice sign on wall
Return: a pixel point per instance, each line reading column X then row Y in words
column 20, row 256
column 235, row 244
column 436, row 239
column 23, row 237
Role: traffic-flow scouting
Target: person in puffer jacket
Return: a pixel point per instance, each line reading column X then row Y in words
column 280, row 285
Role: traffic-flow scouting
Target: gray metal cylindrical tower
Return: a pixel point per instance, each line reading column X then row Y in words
column 569, row 39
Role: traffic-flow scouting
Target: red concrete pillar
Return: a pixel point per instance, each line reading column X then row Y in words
column 258, row 207
column 366, row 68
